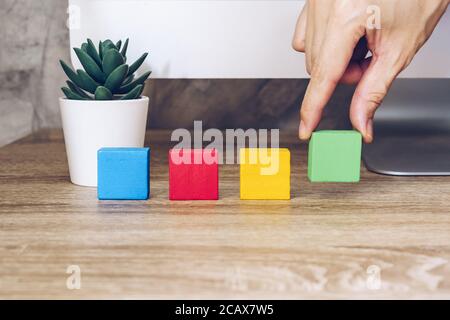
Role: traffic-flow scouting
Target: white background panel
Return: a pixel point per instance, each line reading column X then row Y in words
column 221, row 39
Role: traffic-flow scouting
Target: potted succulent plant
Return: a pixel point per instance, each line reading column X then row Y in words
column 102, row 107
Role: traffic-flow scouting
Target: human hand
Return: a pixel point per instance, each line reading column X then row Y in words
column 336, row 36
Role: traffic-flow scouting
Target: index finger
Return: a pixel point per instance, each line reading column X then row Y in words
column 335, row 55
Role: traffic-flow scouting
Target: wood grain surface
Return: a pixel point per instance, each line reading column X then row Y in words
column 324, row 243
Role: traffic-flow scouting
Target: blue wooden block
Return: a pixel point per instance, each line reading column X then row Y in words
column 123, row 173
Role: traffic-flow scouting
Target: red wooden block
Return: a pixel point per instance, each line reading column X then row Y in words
column 193, row 174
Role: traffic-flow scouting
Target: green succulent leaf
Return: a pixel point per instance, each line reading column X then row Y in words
column 116, row 78
column 127, row 88
column 133, row 94
column 137, row 64
column 90, row 65
column 77, row 90
column 71, row 95
column 105, row 73
column 92, row 52
column 124, row 49
column 108, row 44
column 86, row 82
column 128, row 80
column 105, row 46
column 70, row 73
column 103, row 93
column 111, row 60
column 100, row 49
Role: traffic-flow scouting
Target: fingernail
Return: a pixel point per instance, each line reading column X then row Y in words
column 303, row 132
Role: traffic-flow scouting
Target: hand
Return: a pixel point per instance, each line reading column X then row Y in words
column 336, row 36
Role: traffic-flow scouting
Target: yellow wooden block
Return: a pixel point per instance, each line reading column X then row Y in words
column 265, row 174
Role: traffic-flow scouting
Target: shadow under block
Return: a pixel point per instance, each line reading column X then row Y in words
column 335, row 156
column 193, row 174
column 265, row 174
column 123, row 173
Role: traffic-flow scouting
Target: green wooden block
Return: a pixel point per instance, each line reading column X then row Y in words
column 335, row 156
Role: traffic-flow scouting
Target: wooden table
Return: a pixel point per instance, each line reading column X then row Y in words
column 329, row 241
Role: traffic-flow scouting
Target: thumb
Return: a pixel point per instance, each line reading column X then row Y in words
column 370, row 93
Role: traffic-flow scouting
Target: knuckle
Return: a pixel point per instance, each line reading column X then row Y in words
column 298, row 45
column 374, row 99
column 321, row 77
column 395, row 62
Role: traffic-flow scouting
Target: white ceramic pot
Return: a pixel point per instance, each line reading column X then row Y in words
column 91, row 125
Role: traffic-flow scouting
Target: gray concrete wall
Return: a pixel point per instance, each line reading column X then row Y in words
column 34, row 37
